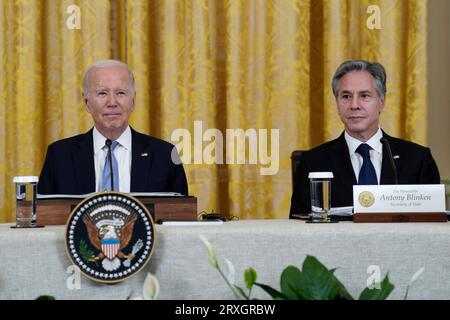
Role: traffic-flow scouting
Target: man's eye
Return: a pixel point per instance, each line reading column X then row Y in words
column 121, row 93
column 345, row 96
column 102, row 93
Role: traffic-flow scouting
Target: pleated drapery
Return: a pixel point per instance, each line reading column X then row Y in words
column 225, row 64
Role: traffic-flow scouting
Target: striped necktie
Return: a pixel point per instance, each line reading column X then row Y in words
column 106, row 183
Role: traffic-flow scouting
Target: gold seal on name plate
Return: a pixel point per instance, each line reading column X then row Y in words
column 366, row 199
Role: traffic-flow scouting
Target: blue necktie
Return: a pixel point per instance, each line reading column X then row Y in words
column 367, row 173
column 106, row 184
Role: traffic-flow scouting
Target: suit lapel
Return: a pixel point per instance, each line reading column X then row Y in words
column 344, row 176
column 83, row 163
column 140, row 162
column 340, row 160
column 387, row 174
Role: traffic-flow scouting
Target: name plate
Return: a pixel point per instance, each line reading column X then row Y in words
column 399, row 198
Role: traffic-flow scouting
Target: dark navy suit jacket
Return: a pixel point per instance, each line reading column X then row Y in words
column 414, row 164
column 69, row 166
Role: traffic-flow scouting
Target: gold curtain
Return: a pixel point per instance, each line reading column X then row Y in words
column 230, row 64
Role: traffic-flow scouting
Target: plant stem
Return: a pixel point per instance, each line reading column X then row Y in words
column 236, row 293
column 406, row 293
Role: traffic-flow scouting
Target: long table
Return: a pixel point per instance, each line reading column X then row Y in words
column 33, row 262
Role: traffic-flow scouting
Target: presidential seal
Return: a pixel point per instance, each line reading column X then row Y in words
column 110, row 236
column 366, row 199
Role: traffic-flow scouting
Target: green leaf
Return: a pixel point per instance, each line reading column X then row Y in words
column 271, row 291
column 292, row 282
column 45, row 297
column 319, row 283
column 85, row 252
column 378, row 294
column 250, row 276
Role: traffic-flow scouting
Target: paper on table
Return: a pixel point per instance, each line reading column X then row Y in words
column 192, row 223
column 64, row 196
column 134, row 194
column 341, row 211
column 335, row 212
column 156, row 194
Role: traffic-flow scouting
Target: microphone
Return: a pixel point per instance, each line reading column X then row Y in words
column 385, row 142
column 108, row 144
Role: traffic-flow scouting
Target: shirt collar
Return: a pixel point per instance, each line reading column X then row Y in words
column 374, row 142
column 99, row 140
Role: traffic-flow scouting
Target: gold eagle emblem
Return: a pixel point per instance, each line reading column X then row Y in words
column 110, row 237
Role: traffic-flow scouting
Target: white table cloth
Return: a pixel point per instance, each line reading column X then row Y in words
column 34, row 262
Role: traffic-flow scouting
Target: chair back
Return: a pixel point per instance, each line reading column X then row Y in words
column 295, row 164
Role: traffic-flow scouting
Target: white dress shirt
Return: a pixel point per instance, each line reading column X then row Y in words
column 376, row 153
column 122, row 152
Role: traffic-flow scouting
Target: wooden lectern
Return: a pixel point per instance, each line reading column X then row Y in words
column 57, row 211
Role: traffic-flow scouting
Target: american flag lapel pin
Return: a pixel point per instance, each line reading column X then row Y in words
column 145, row 154
column 396, row 156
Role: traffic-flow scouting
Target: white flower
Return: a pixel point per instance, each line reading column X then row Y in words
column 231, row 276
column 150, row 290
column 413, row 279
column 211, row 250
column 416, row 275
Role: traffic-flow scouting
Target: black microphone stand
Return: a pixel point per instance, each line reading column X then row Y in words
column 385, row 142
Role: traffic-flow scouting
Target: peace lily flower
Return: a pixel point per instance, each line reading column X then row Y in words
column 292, row 281
column 211, row 251
column 230, row 277
column 413, row 279
column 150, row 290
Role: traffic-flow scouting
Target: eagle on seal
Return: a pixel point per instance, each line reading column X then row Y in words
column 110, row 240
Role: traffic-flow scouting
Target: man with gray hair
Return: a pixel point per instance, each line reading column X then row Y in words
column 110, row 156
column 361, row 153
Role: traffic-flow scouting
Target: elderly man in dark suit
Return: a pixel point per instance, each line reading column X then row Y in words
column 360, row 154
column 140, row 163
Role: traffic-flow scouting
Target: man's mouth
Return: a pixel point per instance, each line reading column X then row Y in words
column 355, row 117
column 112, row 115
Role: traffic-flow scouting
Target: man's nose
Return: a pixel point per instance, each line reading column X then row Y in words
column 112, row 100
column 354, row 103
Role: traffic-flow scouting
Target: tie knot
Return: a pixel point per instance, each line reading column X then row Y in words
column 114, row 145
column 363, row 150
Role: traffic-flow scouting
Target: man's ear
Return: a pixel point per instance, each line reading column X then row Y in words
column 85, row 100
column 133, row 101
column 382, row 103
